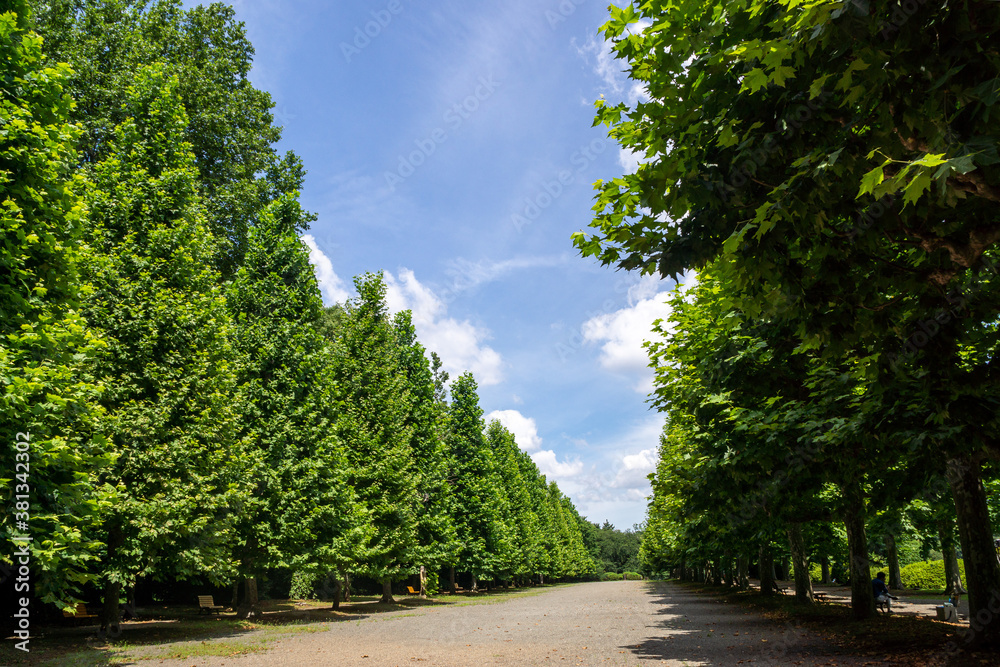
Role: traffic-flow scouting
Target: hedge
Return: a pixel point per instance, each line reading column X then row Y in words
column 927, row 575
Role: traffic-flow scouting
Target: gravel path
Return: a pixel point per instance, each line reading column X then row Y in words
column 607, row 623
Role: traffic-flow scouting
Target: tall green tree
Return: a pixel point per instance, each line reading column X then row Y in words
column 230, row 127
column 375, row 424
column 520, row 520
column 168, row 368
column 303, row 514
column 53, row 453
column 427, row 418
column 476, row 496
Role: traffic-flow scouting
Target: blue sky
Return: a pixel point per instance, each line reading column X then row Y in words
column 450, row 144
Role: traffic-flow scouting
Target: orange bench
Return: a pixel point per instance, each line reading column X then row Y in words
column 80, row 612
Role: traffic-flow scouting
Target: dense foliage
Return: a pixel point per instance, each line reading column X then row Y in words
column 613, row 550
column 194, row 413
column 831, row 170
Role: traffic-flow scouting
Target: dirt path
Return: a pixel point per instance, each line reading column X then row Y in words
column 608, row 623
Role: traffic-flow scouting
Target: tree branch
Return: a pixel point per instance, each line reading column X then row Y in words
column 974, row 184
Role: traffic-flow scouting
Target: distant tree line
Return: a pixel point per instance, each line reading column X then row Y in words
column 195, row 412
column 613, row 550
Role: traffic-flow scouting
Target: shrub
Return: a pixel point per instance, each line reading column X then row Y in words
column 431, row 583
column 927, row 574
column 632, row 576
column 303, row 586
column 611, row 576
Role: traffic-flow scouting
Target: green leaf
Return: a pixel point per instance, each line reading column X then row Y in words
column 870, row 181
column 754, row 80
column 916, row 187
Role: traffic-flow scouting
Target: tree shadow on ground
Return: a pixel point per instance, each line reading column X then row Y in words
column 715, row 625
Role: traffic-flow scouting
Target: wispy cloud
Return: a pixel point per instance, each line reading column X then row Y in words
column 466, row 275
column 615, row 84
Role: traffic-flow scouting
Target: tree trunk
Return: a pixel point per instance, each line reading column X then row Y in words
column 110, row 612
column 862, row 595
column 766, row 567
column 800, row 564
column 251, row 604
column 347, row 587
column 952, row 575
column 451, row 580
column 982, row 570
column 387, row 592
column 824, row 566
column 716, row 573
column 423, row 581
column 337, row 592
column 112, row 589
column 743, row 573
column 475, row 584
column 236, row 594
column 895, row 578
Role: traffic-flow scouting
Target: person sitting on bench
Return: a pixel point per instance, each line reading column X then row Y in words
column 882, row 595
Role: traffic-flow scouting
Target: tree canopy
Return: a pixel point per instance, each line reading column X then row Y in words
column 834, row 168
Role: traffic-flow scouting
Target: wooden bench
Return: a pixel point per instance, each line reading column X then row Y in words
column 79, row 613
column 820, row 596
column 207, row 604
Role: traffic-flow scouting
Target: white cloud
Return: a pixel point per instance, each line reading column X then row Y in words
column 629, row 160
column 622, row 333
column 618, row 487
column 633, row 474
column 330, row 284
column 550, row 466
column 612, row 71
column 524, row 428
column 460, row 344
